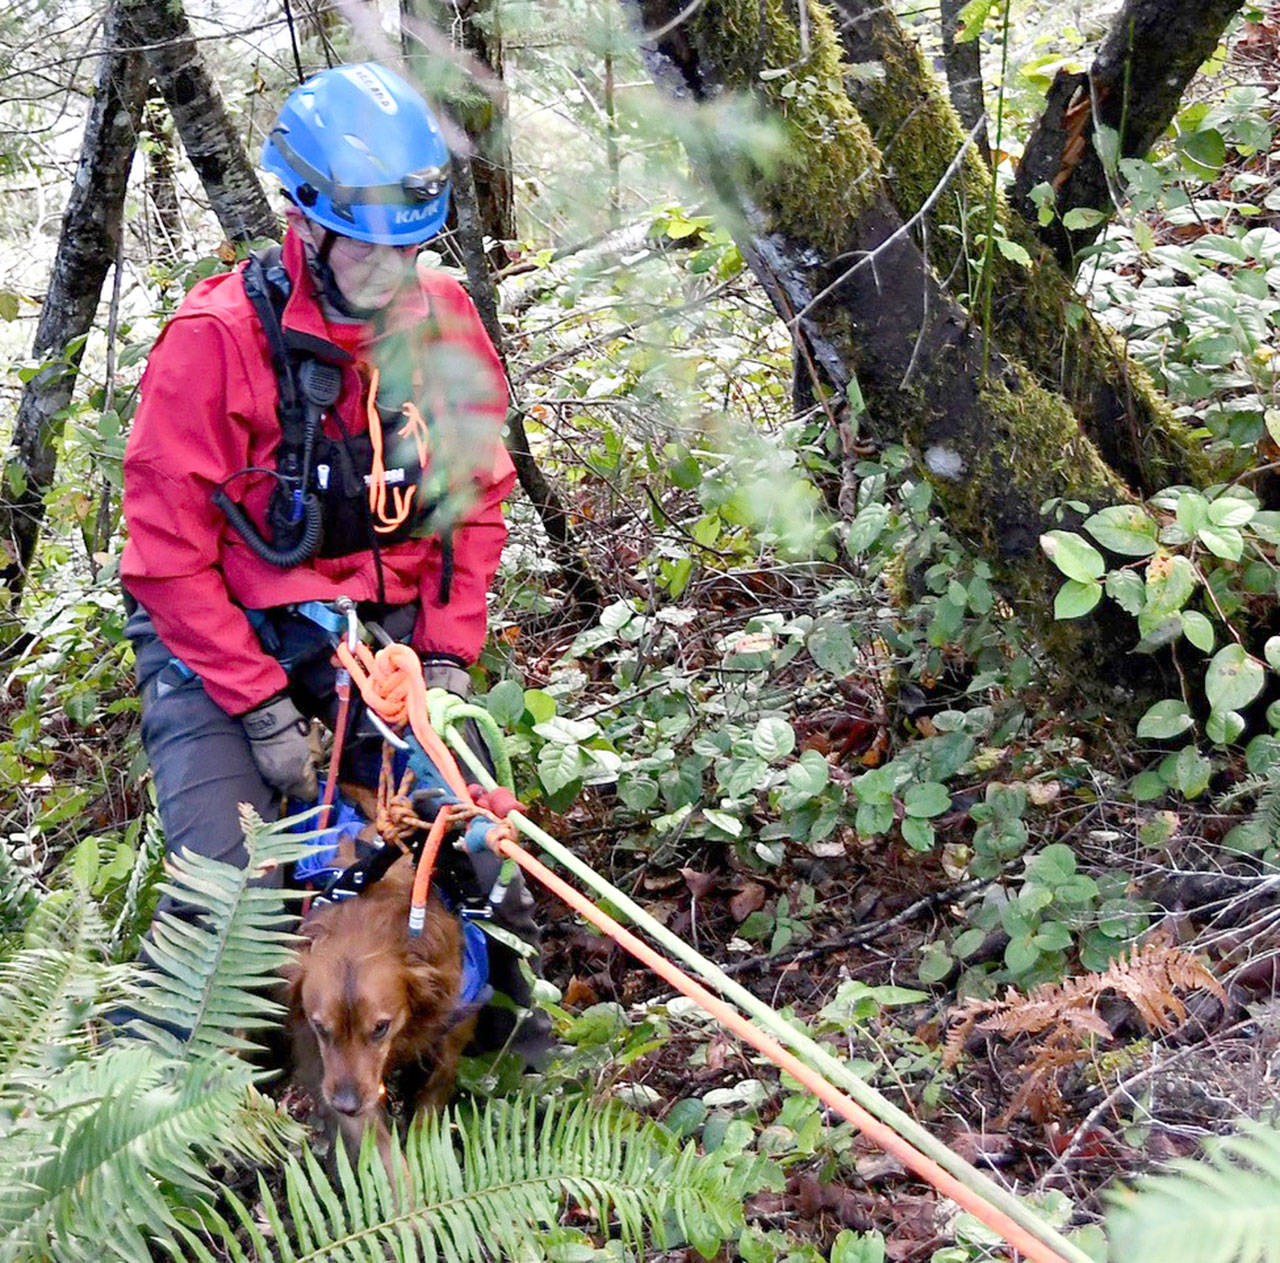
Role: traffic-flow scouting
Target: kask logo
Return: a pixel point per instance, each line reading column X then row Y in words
column 374, row 86
column 411, row 216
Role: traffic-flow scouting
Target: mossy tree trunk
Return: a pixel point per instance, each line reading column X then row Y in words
column 1148, row 57
column 88, row 246
column 1034, row 311
column 832, row 250
column 477, row 97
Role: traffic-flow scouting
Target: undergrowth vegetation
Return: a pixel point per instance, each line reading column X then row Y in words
column 803, row 727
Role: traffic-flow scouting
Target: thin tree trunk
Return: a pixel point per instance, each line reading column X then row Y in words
column 832, row 251
column 164, row 216
column 235, row 194
column 87, row 247
column 575, row 576
column 474, row 27
column 964, row 76
column 1034, row 312
column 1150, row 53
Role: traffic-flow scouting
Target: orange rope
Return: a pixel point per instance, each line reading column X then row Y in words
column 393, row 679
column 881, row 1133
column 401, row 497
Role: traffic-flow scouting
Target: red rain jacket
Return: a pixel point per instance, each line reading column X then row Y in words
column 208, row 409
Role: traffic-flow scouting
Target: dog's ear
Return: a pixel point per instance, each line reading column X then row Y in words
column 310, row 932
column 431, row 984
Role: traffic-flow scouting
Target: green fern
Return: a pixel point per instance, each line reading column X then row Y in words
column 484, row 1184
column 116, row 1146
column 46, row 1001
column 211, row 980
column 1223, row 1210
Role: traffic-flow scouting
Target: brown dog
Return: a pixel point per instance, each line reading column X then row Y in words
column 367, row 1001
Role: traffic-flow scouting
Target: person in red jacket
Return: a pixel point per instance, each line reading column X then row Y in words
column 322, row 424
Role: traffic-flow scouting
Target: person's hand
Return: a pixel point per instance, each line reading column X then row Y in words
column 278, row 740
column 442, row 671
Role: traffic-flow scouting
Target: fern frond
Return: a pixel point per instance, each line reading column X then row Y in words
column 210, row 979
column 479, row 1184
column 1222, row 1210
column 117, row 1144
column 46, row 1001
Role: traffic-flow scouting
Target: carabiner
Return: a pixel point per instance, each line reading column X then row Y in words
column 345, row 605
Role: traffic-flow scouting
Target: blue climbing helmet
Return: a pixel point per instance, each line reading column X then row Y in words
column 360, row 152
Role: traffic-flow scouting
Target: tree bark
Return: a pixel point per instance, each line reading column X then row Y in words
column 161, row 29
column 964, row 77
column 1035, row 312
column 164, row 216
column 88, row 242
column 575, row 575
column 1150, row 53
column 832, row 251
column 479, row 103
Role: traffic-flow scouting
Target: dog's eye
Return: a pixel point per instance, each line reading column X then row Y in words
column 321, row 1030
column 380, row 1031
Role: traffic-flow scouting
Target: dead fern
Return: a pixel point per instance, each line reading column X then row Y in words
column 1061, row 1020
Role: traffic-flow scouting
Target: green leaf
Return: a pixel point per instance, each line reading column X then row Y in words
column 1074, row 599
column 1234, row 678
column 723, row 820
column 1127, row 589
column 1125, row 529
column 1012, row 251
column 935, row 964
column 918, row 834
column 1080, row 217
column 1198, row 630
column 1231, row 511
column 1192, row 511
column 8, row 305
column 1074, row 556
column 1192, row 772
column 866, row 528
column 1165, row 719
column 831, row 646
column 1170, row 583
column 505, row 702
column 809, row 774
column 1203, row 151
column 1224, row 726
column 1222, row 541
column 971, row 19
column 560, row 765
column 928, row 799
column 540, row 705
column 1021, row 954
column 1271, row 651
column 773, row 738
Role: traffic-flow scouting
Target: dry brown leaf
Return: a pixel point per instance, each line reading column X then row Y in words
column 748, row 900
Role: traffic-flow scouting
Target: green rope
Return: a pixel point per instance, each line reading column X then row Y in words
column 449, row 713
column 799, row 1041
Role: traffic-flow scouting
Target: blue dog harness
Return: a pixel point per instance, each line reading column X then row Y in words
column 321, row 871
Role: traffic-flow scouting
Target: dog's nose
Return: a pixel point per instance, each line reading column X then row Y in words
column 347, row 1100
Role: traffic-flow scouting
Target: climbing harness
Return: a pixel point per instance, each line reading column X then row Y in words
column 331, row 495
column 391, row 683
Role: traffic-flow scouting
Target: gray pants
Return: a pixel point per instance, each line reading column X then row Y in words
column 203, row 769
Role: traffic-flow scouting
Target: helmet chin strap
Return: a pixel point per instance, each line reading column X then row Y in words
column 329, row 284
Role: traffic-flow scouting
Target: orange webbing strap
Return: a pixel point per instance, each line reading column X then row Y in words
column 745, row 1029
column 401, row 497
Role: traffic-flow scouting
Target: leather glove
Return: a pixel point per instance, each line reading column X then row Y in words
column 443, row 671
column 278, row 741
